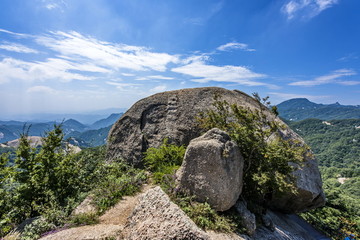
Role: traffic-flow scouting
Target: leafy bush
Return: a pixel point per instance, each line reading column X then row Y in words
column 84, row 219
column 119, row 180
column 35, row 229
column 164, row 160
column 267, row 172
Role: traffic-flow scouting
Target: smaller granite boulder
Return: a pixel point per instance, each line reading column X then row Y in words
column 248, row 220
column 212, row 170
column 156, row 217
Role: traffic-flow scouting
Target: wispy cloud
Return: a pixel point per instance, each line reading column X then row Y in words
column 128, row 74
column 234, row 46
column 77, row 57
column 348, row 57
column 123, row 86
column 54, row 4
column 349, row 83
column 333, row 77
column 106, row 54
column 160, row 88
column 13, row 47
column 306, row 8
column 203, row 72
column 209, row 13
column 154, row 77
column 52, row 68
column 41, row 89
column 20, row 35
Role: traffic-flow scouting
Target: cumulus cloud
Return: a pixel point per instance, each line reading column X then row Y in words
column 235, row 45
column 306, row 8
column 333, row 77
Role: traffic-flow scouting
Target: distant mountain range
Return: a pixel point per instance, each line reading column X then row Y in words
column 78, row 133
column 86, row 118
column 301, row 108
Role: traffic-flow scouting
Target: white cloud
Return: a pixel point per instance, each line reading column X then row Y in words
column 333, row 77
column 128, row 74
column 235, row 45
column 51, row 6
column 348, row 57
column 54, row 4
column 123, row 86
column 20, row 35
column 105, row 54
column 155, row 77
column 202, row 19
column 41, row 89
column 52, row 68
column 160, row 88
column 206, row 73
column 349, row 83
column 306, row 8
column 13, row 47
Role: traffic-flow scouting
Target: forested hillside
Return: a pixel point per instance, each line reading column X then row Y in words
column 301, row 108
column 336, row 143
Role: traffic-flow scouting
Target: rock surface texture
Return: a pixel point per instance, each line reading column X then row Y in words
column 212, row 170
column 173, row 115
column 248, row 219
column 156, row 217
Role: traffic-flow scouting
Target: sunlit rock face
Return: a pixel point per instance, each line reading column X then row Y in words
column 173, row 115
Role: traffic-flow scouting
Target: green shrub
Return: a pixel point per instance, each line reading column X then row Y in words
column 267, row 173
column 84, row 219
column 120, row 180
column 205, row 217
column 36, row 228
column 164, row 160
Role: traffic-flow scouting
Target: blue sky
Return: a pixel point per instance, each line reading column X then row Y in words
column 69, row 56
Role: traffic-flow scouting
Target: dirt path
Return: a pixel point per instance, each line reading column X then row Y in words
column 111, row 222
column 118, row 214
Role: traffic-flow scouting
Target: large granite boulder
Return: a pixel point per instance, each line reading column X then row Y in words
column 173, row 115
column 156, row 217
column 168, row 114
column 212, row 170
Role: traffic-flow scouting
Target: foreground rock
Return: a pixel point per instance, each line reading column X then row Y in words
column 212, row 170
column 173, row 114
column 156, row 217
column 94, row 232
column 248, row 220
